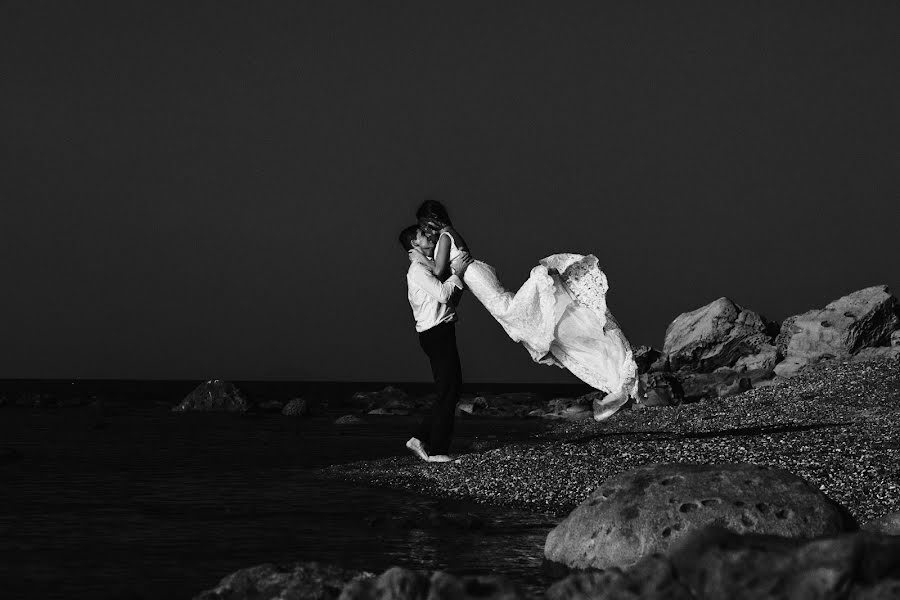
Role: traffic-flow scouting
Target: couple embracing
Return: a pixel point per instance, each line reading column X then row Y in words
column 559, row 315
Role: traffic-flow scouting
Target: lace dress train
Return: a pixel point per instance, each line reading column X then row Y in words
column 560, row 315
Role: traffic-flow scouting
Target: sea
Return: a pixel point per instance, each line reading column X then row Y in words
column 106, row 493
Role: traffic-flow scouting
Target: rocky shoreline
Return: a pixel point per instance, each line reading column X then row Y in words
column 745, row 469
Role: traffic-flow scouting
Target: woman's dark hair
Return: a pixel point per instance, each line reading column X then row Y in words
column 407, row 236
column 433, row 217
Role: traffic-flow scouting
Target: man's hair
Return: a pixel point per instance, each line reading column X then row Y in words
column 407, row 236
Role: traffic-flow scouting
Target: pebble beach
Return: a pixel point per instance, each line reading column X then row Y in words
column 834, row 424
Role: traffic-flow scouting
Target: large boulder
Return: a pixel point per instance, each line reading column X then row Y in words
column 214, row 395
column 298, row 581
column 649, row 508
column 859, row 320
column 716, row 335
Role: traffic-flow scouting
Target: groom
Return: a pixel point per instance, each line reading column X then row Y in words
column 434, row 308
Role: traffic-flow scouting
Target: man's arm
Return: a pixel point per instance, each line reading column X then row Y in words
column 426, row 280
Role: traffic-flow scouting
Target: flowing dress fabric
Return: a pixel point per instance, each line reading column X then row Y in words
column 560, row 315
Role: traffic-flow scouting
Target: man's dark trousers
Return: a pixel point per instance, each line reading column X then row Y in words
column 439, row 343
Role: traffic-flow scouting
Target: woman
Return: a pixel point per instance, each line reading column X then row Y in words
column 559, row 314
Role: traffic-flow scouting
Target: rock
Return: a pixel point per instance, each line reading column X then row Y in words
column 895, row 338
column 572, row 409
column 662, row 389
column 698, row 386
column 765, row 359
column 715, row 335
column 880, row 353
column 298, row 407
column 404, row 584
column 888, row 524
column 465, row 407
column 389, row 411
column 299, row 581
column 390, row 398
column 736, row 387
column 349, row 420
column 661, row 364
column 648, row 508
column 653, row 578
column 507, row 404
column 445, row 586
column 395, row 584
column 789, row 367
column 587, row 400
column 214, row 395
column 863, row 319
column 645, row 357
column 785, row 331
column 716, row 563
column 271, row 406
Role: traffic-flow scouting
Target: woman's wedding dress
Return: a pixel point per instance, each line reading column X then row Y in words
column 560, row 315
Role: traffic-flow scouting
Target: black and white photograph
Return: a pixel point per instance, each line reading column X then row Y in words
column 418, row 300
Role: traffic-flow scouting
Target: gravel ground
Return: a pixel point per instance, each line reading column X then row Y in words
column 834, row 424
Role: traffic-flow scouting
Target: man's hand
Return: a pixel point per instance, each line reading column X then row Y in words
column 455, row 297
column 461, row 263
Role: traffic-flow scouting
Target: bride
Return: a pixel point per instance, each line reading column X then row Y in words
column 559, row 314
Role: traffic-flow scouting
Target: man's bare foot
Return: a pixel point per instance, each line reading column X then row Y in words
column 415, row 446
column 439, row 458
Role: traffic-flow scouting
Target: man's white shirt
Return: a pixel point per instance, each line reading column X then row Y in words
column 429, row 298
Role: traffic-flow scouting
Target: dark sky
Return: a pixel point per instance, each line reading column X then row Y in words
column 215, row 189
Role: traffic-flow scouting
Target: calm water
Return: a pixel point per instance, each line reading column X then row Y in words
column 137, row 502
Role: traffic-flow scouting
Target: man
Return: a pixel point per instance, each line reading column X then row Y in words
column 434, row 307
